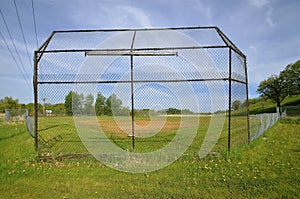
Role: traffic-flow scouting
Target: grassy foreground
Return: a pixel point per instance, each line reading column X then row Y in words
column 268, row 168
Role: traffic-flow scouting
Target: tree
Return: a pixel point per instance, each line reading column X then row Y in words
column 277, row 88
column 30, row 108
column 99, row 104
column 68, row 103
column 88, row 104
column 291, row 78
column 171, row 111
column 9, row 103
column 73, row 103
column 112, row 105
column 236, row 105
column 273, row 88
column 58, row 109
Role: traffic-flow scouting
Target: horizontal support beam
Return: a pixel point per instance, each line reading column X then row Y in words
column 126, row 53
column 139, row 29
column 139, row 81
column 134, row 49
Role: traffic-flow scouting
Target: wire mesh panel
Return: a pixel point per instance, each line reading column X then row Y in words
column 139, row 88
column 15, row 115
column 261, row 122
column 239, row 120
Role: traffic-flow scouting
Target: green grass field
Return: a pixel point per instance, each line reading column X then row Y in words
column 267, row 168
column 58, row 135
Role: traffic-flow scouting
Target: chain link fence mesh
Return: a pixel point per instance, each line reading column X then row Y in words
column 261, row 122
column 15, row 115
column 182, row 83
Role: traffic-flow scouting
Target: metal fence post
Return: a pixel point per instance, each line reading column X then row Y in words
column 35, row 87
column 247, row 100
column 229, row 101
column 132, row 94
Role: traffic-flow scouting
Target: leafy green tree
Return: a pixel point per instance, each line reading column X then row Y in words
column 236, row 104
column 30, row 107
column 173, row 111
column 273, row 88
column 2, row 106
column 277, row 88
column 68, row 103
column 100, row 104
column 58, row 109
column 112, row 105
column 9, row 103
column 291, row 78
column 73, row 103
column 107, row 107
column 88, row 104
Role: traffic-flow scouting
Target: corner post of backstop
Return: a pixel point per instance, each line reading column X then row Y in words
column 247, row 100
column 229, row 100
column 35, row 88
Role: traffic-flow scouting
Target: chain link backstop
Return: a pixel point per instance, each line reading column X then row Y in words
column 141, row 85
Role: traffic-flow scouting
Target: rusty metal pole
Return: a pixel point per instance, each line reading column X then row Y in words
column 229, row 102
column 35, row 87
column 247, row 100
column 132, row 94
column 132, row 103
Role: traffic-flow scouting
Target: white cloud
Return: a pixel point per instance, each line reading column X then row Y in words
column 126, row 16
column 138, row 14
column 253, row 49
column 108, row 15
column 258, row 3
column 265, row 5
column 269, row 18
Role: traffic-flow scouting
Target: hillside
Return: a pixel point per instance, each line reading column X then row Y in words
column 266, row 106
column 260, row 105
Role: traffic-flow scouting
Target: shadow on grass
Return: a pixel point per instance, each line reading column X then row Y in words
column 53, row 126
column 11, row 136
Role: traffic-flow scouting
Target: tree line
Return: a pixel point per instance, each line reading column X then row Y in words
column 78, row 104
column 13, row 104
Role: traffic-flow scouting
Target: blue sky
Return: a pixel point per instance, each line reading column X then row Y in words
column 267, row 31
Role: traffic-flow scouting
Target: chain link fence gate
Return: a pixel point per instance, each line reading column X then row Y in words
column 139, row 87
